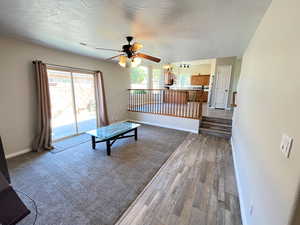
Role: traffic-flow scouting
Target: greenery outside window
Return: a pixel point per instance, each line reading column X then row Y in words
column 139, row 77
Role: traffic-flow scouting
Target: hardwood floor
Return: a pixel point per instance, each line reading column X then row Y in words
column 217, row 113
column 196, row 186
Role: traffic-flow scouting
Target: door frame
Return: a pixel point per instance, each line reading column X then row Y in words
column 213, row 105
column 71, row 71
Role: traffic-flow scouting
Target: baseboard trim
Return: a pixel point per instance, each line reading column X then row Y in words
column 164, row 126
column 15, row 154
column 238, row 181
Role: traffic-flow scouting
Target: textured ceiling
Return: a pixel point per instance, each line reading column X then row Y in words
column 175, row 30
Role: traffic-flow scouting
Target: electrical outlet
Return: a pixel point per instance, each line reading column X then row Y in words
column 286, row 145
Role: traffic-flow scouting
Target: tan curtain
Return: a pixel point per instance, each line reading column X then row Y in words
column 101, row 100
column 43, row 138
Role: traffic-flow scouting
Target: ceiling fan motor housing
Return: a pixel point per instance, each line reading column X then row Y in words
column 131, row 52
column 128, row 51
column 129, row 39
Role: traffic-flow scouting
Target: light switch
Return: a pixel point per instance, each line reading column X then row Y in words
column 286, row 145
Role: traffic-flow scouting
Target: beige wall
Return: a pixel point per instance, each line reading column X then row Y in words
column 268, row 106
column 295, row 219
column 202, row 69
column 18, row 92
column 236, row 74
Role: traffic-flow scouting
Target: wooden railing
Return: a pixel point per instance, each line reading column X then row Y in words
column 234, row 99
column 178, row 103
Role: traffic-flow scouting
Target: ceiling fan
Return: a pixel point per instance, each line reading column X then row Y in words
column 129, row 53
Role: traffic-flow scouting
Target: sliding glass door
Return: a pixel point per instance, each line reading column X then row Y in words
column 73, row 103
column 85, row 101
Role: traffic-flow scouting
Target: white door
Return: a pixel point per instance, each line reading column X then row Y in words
column 222, row 85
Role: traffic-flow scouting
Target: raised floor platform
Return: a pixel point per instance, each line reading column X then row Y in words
column 216, row 113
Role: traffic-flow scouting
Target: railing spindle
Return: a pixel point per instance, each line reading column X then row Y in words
column 171, row 102
column 155, row 101
column 181, row 104
column 162, row 102
column 174, row 103
column 165, row 102
column 140, row 100
column 178, row 103
column 129, row 101
column 145, row 102
column 184, row 105
column 149, row 100
column 190, row 101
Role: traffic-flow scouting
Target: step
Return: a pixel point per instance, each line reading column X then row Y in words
column 216, row 126
column 217, row 120
column 218, row 133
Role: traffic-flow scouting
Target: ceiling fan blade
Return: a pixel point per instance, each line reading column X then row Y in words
column 113, row 57
column 105, row 49
column 149, row 57
column 108, row 49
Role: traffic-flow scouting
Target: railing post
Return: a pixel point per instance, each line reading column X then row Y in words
column 200, row 104
column 234, row 99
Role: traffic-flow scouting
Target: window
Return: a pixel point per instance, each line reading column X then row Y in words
column 183, row 80
column 139, row 77
column 73, row 103
column 156, row 78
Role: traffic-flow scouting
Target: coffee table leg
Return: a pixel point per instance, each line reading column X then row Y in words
column 135, row 134
column 93, row 142
column 108, row 147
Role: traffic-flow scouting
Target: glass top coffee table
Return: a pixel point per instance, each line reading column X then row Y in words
column 113, row 132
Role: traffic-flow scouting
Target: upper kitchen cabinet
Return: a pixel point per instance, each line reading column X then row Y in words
column 200, row 80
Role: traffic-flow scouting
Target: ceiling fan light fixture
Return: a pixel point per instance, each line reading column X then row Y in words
column 136, row 47
column 167, row 66
column 133, row 65
column 136, row 61
column 122, row 60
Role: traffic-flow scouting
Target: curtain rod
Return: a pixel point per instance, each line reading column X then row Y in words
column 69, row 67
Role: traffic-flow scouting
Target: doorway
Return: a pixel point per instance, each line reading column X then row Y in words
column 221, row 86
column 73, row 102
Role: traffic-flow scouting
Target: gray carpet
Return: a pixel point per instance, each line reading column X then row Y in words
column 70, row 142
column 85, row 187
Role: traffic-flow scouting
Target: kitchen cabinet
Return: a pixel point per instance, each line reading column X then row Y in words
column 200, row 80
column 176, row 96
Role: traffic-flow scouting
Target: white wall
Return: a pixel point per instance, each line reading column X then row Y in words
column 177, row 123
column 268, row 106
column 202, row 69
column 18, row 90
